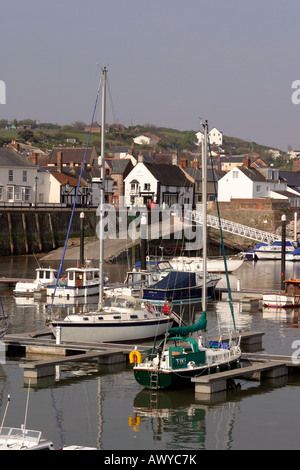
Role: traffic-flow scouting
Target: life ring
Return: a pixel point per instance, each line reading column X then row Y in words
column 135, row 356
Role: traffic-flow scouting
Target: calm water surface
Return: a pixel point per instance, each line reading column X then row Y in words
column 107, row 409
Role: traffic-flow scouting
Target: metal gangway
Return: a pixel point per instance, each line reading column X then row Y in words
column 232, row 227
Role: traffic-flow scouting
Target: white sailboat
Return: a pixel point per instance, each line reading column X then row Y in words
column 22, row 438
column 118, row 322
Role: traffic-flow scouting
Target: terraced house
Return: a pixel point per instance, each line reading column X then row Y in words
column 17, row 178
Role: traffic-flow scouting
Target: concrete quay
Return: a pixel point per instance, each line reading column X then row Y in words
column 254, row 366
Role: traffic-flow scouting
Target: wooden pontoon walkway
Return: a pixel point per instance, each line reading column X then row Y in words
column 43, row 343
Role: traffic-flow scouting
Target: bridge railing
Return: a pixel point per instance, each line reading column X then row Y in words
column 232, row 227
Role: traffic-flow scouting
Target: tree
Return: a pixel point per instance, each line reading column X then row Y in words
column 27, row 134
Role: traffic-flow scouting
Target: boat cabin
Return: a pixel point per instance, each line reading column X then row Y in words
column 292, row 287
column 23, row 439
column 46, row 275
column 79, row 277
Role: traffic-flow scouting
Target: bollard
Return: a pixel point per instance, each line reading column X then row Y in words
column 58, row 335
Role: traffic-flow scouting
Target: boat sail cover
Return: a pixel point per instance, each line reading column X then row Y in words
column 184, row 330
column 176, row 280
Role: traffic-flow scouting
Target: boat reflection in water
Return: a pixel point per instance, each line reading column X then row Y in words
column 184, row 417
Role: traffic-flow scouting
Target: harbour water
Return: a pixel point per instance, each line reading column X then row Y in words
column 107, row 409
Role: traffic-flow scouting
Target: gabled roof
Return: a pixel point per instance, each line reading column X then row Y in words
column 119, row 165
column 196, row 174
column 251, row 173
column 119, row 149
column 67, row 178
column 169, row 175
column 285, row 193
column 9, row 158
column 73, row 155
column 292, row 178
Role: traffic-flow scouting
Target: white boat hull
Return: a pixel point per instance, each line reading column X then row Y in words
column 281, row 301
column 68, row 292
column 27, row 288
column 213, row 265
column 267, row 255
column 112, row 331
column 274, row 251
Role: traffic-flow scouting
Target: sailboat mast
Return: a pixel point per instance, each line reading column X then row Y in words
column 204, row 205
column 102, row 188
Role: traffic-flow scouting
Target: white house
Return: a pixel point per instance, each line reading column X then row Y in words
column 160, row 183
column 146, row 139
column 249, row 183
column 17, row 177
column 214, row 137
column 293, row 154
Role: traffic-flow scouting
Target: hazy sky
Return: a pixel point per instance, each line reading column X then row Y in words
column 169, row 63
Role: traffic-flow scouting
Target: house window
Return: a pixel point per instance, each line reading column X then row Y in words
column 26, row 194
column 134, row 187
column 258, row 188
column 10, row 193
column 170, row 199
column 147, row 187
column 235, row 174
column 10, row 175
column 1, row 193
column 18, row 193
column 24, row 176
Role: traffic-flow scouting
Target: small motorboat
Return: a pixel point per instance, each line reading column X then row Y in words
column 79, row 282
column 290, row 298
column 44, row 277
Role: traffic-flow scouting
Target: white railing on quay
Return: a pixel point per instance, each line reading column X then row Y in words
column 232, row 227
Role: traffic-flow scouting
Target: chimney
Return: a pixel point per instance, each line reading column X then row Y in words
column 195, row 162
column 246, row 162
column 140, row 157
column 59, row 161
column 35, row 158
column 183, row 162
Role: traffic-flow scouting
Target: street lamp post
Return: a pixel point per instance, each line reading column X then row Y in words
column 35, row 193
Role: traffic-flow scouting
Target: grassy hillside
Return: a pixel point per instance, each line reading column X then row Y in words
column 46, row 136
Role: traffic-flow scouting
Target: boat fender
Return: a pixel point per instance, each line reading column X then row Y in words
column 135, row 356
column 149, row 307
column 191, row 364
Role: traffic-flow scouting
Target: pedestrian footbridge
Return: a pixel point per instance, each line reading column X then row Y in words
column 232, row 227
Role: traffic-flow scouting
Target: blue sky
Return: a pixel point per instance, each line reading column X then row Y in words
column 169, row 63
